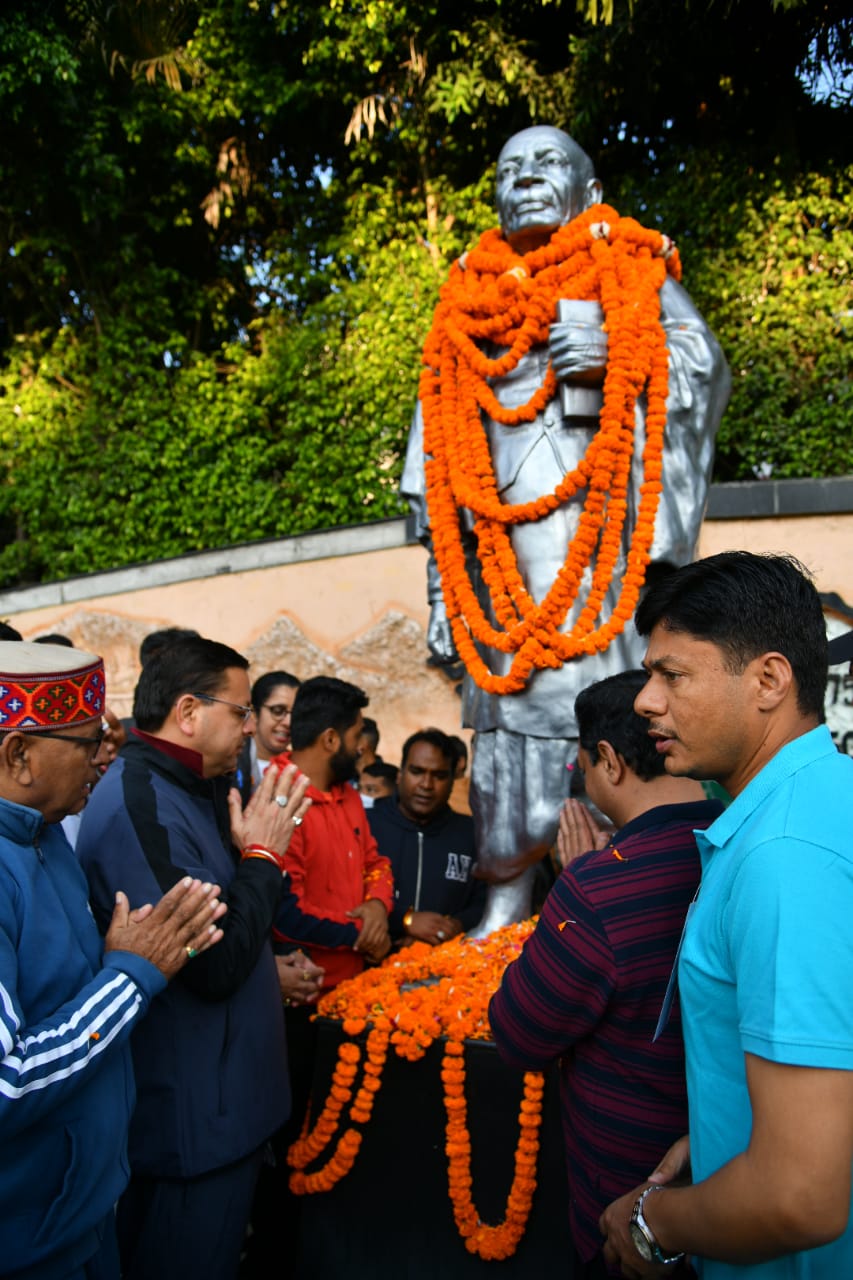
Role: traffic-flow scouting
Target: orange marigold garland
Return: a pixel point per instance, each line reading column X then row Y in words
column 308, row 1147
column 413, row 999
column 501, row 1241
column 495, row 295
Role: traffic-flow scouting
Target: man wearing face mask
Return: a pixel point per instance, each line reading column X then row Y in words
column 524, row 738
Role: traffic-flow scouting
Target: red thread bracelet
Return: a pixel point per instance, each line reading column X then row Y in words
column 261, row 851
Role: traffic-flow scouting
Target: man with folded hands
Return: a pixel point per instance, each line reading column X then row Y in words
column 68, row 1001
column 211, row 1063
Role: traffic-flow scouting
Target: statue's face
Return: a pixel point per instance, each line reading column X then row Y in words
column 543, row 181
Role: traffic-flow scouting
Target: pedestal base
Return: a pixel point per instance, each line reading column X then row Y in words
column 391, row 1217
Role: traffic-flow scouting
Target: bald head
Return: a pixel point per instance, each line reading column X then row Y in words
column 544, row 179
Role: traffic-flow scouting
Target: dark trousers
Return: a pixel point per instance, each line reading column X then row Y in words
column 276, row 1214
column 187, row 1228
column 103, row 1265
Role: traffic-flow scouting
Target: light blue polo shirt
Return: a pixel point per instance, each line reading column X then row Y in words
column 767, row 961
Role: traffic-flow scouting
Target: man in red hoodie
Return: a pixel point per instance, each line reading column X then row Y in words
column 337, row 873
column 335, row 868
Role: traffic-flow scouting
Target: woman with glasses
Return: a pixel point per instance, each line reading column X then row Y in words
column 272, row 702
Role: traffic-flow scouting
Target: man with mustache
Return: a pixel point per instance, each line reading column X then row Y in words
column 590, row 982
column 162, row 811
column 68, row 1001
column 337, row 874
column 737, row 664
column 335, row 868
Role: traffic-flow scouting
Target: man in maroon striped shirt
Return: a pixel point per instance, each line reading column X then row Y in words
column 589, row 987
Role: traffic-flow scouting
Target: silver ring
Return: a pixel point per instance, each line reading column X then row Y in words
column 281, row 801
column 297, row 822
column 440, row 934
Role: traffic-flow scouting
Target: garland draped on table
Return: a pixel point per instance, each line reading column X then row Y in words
column 497, row 296
column 412, row 999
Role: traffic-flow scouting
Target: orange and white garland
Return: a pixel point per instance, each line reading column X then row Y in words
column 497, row 296
column 414, row 998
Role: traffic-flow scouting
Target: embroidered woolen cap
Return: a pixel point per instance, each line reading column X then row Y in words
column 45, row 686
column 841, row 649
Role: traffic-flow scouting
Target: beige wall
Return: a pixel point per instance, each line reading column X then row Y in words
column 361, row 616
column 823, row 543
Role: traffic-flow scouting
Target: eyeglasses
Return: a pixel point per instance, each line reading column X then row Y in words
column 94, row 743
column 245, row 712
column 277, row 712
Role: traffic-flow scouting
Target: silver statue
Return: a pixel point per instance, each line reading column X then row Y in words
column 524, row 741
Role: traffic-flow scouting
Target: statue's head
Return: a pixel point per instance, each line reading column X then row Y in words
column 544, row 180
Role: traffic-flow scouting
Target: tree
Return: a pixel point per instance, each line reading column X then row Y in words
column 224, row 225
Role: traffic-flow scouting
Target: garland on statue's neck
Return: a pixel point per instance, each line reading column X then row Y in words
column 494, row 295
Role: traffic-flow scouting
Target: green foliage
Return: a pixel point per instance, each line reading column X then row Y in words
column 768, row 258
column 115, row 457
column 788, row 332
column 224, row 224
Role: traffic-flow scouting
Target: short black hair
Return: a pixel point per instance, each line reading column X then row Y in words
column 8, row 632
column 155, row 641
column 442, row 742
column 381, row 769
column 322, row 703
column 53, row 637
column 370, row 730
column 265, row 684
column 748, row 604
column 195, row 665
column 605, row 713
column 460, row 747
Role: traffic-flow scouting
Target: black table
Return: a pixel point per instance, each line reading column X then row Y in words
column 391, row 1217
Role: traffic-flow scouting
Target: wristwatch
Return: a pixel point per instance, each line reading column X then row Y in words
column 643, row 1236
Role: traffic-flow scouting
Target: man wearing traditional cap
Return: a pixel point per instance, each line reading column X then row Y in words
column 68, row 1002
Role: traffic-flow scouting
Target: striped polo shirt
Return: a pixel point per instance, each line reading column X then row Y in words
column 588, row 989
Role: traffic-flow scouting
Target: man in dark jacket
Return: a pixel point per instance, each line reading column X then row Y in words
column 210, row 1062
column 430, row 847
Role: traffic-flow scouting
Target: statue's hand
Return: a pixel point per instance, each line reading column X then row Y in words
column 578, row 352
column 439, row 635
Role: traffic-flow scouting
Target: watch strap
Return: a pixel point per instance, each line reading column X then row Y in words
column 638, row 1220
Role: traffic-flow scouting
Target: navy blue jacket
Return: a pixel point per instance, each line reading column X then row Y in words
column 210, row 1058
column 432, row 863
column 66, row 1083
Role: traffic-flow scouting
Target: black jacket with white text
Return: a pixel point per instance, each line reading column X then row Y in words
column 432, row 863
